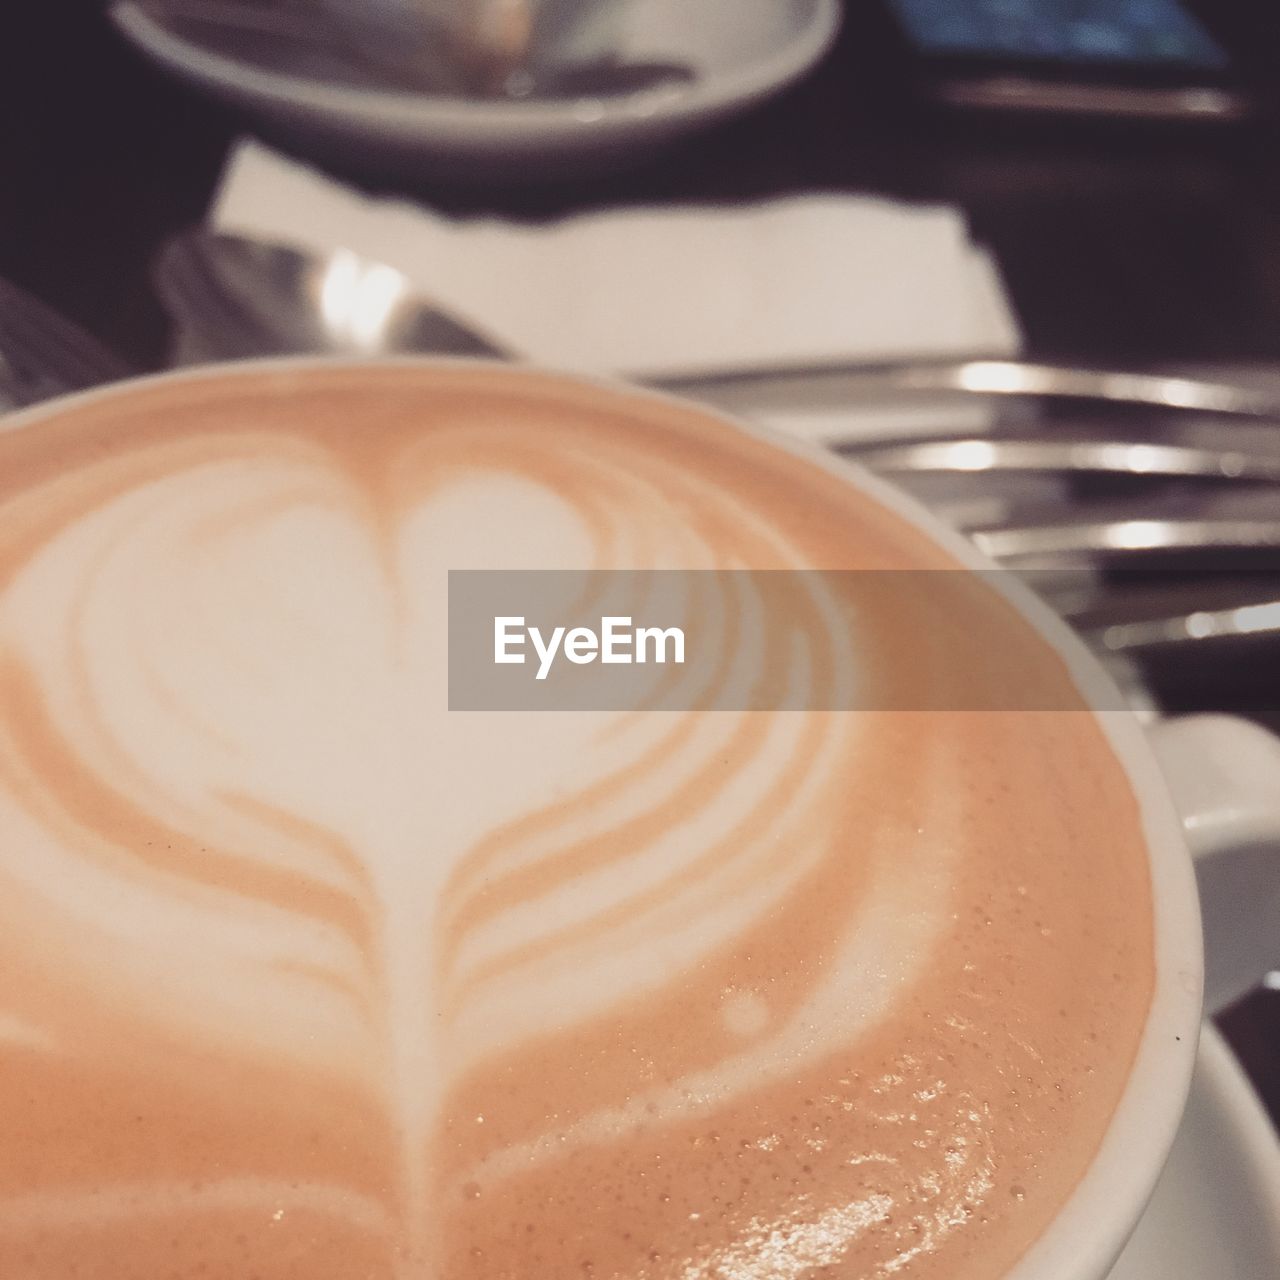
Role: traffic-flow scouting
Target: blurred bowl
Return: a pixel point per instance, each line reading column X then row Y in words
column 739, row 51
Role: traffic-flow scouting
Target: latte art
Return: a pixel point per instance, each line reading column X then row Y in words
column 303, row 975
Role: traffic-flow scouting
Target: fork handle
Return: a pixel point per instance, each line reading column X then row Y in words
column 838, row 381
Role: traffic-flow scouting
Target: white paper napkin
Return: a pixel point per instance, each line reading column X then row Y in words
column 669, row 290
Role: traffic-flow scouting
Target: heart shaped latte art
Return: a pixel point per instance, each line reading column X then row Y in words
column 302, row 968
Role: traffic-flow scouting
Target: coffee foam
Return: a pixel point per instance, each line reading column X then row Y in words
column 310, row 976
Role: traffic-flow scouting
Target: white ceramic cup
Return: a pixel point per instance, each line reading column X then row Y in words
column 1223, row 776
column 1209, row 792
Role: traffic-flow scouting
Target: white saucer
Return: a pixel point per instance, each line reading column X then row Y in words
column 740, row 51
column 1215, row 1214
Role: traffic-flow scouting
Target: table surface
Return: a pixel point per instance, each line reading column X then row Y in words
column 1119, row 245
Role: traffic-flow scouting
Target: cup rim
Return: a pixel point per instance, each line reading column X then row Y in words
column 1094, row 1222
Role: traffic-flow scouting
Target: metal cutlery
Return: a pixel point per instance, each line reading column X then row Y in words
column 1134, row 616
column 234, row 297
column 1025, row 379
column 341, row 302
column 1211, row 451
column 1203, row 530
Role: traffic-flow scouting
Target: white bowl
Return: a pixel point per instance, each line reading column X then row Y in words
column 740, row 51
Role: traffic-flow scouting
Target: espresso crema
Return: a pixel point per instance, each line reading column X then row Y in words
column 304, row 976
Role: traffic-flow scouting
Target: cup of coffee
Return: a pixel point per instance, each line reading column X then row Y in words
column 308, row 971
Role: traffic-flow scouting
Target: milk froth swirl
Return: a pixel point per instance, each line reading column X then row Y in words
column 303, row 975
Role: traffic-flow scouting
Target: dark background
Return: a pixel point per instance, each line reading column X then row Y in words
column 1119, row 244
